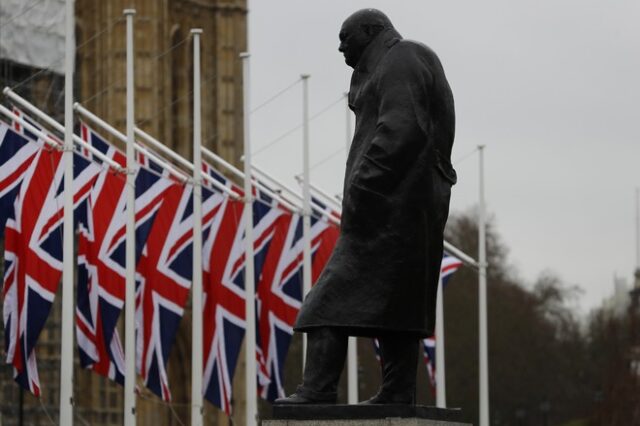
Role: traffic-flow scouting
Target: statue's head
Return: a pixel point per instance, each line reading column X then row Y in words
column 358, row 31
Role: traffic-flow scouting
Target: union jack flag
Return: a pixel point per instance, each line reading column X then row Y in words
column 223, row 302
column 279, row 291
column 224, row 294
column 33, row 255
column 101, row 257
column 279, row 295
column 165, row 272
column 16, row 154
column 164, row 278
column 450, row 264
column 429, row 358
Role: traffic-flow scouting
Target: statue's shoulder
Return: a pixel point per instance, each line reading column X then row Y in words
column 415, row 55
column 414, row 48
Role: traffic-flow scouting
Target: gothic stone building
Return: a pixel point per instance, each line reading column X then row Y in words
column 163, row 96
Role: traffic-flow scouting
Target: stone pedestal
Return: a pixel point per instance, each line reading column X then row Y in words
column 363, row 415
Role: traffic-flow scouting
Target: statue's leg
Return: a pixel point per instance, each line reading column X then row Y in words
column 326, row 352
column 400, row 355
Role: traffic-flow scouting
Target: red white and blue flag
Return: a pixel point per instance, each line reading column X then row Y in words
column 163, row 281
column 224, row 291
column 16, row 154
column 223, row 302
column 165, row 272
column 33, row 255
column 450, row 264
column 279, row 292
column 429, row 358
column 101, row 257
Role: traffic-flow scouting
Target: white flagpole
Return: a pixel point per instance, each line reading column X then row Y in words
column 352, row 353
column 196, row 306
column 482, row 289
column 66, row 336
column 441, row 392
column 637, row 229
column 306, row 203
column 465, row 258
column 130, row 249
column 251, row 387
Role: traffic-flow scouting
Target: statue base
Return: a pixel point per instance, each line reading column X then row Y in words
column 365, row 415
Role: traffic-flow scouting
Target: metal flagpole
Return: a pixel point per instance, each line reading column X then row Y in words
column 482, row 289
column 352, row 352
column 196, row 290
column 306, row 203
column 637, row 229
column 251, row 386
column 66, row 337
column 465, row 258
column 636, row 283
column 130, row 249
column 441, row 392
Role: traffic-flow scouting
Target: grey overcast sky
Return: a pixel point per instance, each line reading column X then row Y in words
column 549, row 86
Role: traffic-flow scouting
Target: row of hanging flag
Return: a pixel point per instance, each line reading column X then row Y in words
column 31, row 200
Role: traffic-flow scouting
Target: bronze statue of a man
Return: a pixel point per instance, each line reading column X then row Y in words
column 381, row 280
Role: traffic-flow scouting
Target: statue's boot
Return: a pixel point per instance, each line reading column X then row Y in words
column 326, row 352
column 400, row 359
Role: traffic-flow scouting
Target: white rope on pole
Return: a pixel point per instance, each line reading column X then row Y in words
column 251, row 386
column 306, row 203
column 66, row 332
column 441, row 390
column 482, row 296
column 196, row 290
column 130, row 282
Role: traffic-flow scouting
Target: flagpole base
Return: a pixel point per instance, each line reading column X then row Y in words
column 365, row 415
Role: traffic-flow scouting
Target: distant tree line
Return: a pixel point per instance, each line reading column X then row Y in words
column 547, row 366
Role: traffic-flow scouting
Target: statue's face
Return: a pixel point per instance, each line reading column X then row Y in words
column 353, row 40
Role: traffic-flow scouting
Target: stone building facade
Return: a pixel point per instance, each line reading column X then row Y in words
column 163, row 98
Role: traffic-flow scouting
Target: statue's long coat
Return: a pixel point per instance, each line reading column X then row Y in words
column 383, row 274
